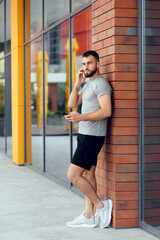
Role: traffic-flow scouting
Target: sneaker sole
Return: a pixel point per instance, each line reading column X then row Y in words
column 110, row 214
column 82, row 226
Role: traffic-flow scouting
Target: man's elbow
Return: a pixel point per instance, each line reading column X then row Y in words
column 108, row 114
column 70, row 105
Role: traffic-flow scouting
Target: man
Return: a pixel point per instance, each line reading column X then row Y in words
column 95, row 97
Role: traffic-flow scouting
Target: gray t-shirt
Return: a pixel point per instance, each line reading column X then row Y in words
column 91, row 91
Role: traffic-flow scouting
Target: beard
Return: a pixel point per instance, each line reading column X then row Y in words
column 91, row 73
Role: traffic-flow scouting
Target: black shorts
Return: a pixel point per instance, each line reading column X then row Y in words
column 88, row 148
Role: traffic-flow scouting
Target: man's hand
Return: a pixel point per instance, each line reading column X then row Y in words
column 73, row 117
column 80, row 78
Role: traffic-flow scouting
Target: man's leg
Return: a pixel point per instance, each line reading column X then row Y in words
column 75, row 175
column 89, row 206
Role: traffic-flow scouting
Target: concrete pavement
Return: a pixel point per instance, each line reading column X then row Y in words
column 32, row 207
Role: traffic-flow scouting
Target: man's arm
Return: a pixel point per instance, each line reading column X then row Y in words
column 103, row 112
column 75, row 97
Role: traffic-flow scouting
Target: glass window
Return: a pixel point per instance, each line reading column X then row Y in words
column 8, row 26
column 54, row 10
column 81, row 42
column 2, row 106
column 152, row 115
column 33, row 17
column 56, row 87
column 2, row 29
column 34, row 103
column 78, row 3
column 8, row 107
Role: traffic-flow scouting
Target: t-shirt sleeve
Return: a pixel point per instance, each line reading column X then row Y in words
column 103, row 87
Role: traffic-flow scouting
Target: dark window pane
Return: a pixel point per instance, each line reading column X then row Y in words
column 8, row 26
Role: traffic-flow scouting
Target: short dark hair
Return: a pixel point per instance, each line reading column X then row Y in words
column 91, row 52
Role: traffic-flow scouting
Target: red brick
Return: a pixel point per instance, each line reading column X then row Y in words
column 126, row 95
column 101, row 2
column 126, row 158
column 130, row 13
column 97, row 12
column 97, row 45
column 102, row 18
column 125, row 113
column 124, row 122
column 110, row 32
column 126, row 49
column 111, row 14
column 109, row 41
column 128, row 58
column 126, row 168
column 108, row 24
column 130, row 22
column 126, row 104
column 127, row 40
column 126, row 177
column 127, row 149
column 126, row 214
column 110, row 5
column 131, row 131
column 126, row 187
column 125, row 76
column 126, row 196
column 126, row 4
column 125, row 140
column 120, row 223
column 133, row 86
column 126, row 204
column 102, row 190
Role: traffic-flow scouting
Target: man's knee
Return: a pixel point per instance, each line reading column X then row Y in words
column 72, row 175
column 89, row 175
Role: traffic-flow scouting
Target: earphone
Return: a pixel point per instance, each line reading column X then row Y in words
column 97, row 66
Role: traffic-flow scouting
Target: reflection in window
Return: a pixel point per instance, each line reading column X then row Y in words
column 54, row 10
column 8, row 25
column 2, row 29
column 57, row 133
column 78, row 3
column 33, row 18
column 2, row 106
column 34, row 102
column 152, row 115
column 82, row 42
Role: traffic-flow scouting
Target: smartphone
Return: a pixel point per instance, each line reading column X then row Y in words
column 63, row 113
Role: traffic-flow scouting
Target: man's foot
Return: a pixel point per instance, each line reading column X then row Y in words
column 104, row 214
column 82, row 221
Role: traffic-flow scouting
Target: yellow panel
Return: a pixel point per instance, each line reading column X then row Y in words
column 28, row 135
column 17, row 77
column 17, row 26
column 18, row 134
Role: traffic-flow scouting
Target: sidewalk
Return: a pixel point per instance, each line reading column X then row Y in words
column 33, row 207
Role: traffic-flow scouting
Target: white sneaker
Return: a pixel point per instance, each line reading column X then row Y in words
column 82, row 221
column 104, row 214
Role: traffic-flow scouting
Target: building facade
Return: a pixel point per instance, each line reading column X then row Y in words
column 40, row 52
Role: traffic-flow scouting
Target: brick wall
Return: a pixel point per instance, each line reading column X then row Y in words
column 114, row 37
